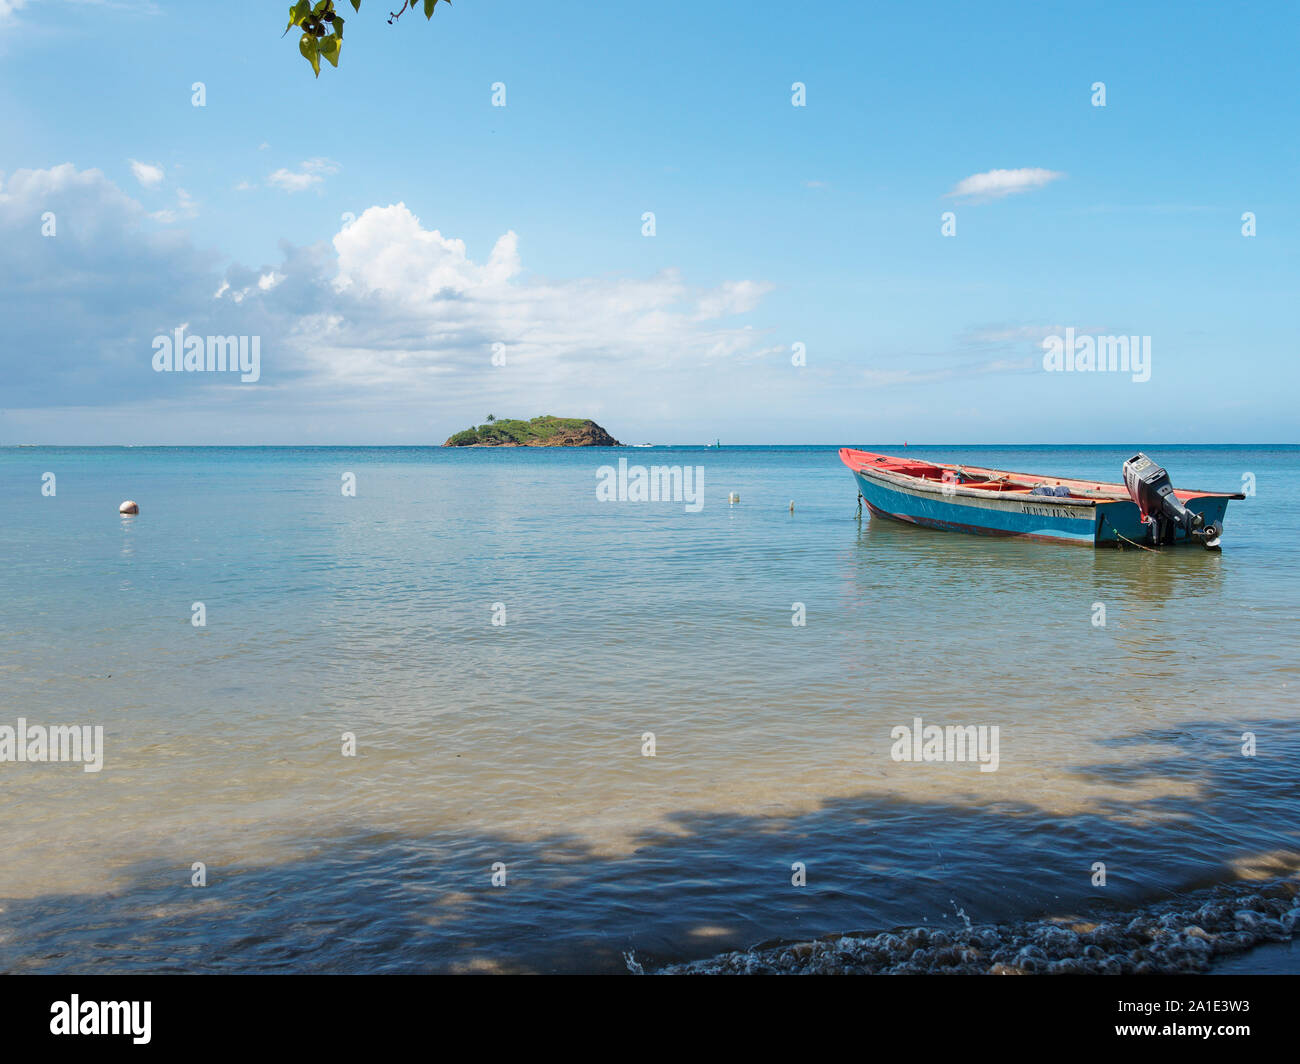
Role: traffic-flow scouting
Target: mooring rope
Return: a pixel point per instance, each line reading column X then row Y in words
column 1131, row 543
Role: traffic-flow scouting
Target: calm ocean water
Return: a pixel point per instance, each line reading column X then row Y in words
column 521, row 742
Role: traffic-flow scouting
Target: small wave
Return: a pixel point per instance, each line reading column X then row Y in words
column 1183, row 936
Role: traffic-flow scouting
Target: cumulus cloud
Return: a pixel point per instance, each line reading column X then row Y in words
column 386, row 250
column 148, row 174
column 412, row 305
column 390, row 318
column 994, row 184
column 309, row 173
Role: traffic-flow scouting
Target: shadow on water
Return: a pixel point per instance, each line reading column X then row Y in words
column 385, row 902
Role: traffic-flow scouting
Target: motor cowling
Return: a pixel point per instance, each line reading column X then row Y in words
column 1151, row 489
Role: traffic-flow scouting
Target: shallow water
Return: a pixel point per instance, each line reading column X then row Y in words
column 522, row 743
column 1242, row 928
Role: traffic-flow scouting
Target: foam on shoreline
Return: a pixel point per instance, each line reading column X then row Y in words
column 1180, row 936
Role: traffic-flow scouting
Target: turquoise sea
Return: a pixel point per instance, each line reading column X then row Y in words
column 516, row 751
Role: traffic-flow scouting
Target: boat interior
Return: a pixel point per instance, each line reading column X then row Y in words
column 996, row 480
column 981, row 479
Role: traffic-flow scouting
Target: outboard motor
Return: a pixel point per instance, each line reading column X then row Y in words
column 1150, row 488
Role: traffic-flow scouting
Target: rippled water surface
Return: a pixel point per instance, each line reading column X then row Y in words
column 522, row 743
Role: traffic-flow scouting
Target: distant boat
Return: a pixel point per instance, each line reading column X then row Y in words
column 1143, row 511
column 640, row 444
column 715, row 443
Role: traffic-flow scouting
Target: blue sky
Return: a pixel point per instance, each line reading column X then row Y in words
column 775, row 224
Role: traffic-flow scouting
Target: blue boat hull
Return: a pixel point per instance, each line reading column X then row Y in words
column 1042, row 518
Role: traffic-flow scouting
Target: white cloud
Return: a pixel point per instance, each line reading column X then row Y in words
column 310, row 172
column 391, row 325
column 731, row 297
column 386, row 250
column 411, row 306
column 994, row 184
column 290, row 181
column 133, row 280
column 148, row 174
column 184, row 209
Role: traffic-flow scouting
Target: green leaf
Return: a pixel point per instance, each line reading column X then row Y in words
column 307, row 45
column 429, row 5
column 297, row 12
column 356, row 5
column 329, row 48
column 320, row 7
column 338, row 26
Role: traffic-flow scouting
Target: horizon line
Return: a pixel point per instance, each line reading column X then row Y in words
column 603, row 447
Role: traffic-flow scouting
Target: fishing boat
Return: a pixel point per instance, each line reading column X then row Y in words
column 1143, row 511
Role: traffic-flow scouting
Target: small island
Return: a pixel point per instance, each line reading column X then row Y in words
column 544, row 431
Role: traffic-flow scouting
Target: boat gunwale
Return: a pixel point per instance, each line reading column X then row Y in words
column 935, row 487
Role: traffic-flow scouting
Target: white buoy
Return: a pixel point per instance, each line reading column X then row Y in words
column 128, row 507
column 734, row 497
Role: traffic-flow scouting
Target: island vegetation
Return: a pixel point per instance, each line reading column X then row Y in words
column 544, row 431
